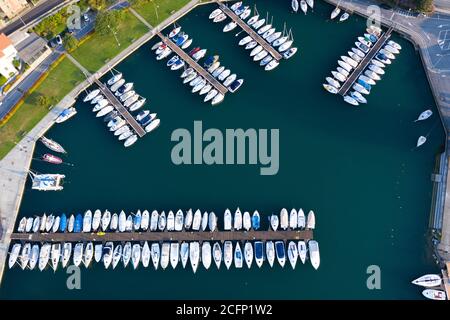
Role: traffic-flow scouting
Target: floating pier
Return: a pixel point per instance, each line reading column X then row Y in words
column 199, row 69
column 365, row 62
column 174, row 236
column 255, row 36
column 131, row 121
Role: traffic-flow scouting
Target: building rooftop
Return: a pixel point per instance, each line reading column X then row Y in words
column 4, row 43
column 31, row 48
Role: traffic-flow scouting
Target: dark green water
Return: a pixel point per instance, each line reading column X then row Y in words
column 356, row 167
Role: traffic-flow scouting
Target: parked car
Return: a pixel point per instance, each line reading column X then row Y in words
column 58, row 39
column 85, row 17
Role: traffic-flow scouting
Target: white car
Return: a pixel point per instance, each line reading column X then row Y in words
column 58, row 39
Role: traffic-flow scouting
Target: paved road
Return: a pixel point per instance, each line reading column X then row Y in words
column 442, row 5
column 33, row 14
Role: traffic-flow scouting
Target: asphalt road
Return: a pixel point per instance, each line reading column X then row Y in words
column 31, row 15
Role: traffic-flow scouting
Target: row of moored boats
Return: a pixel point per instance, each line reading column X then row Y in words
column 431, row 281
column 132, row 101
column 277, row 39
column 373, row 73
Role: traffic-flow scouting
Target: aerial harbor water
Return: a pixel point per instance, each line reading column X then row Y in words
column 358, row 168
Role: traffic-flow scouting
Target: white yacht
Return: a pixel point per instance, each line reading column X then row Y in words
column 248, row 254
column 228, row 253
column 217, row 254
column 165, row 255
column 314, row 254
column 206, row 254
column 174, row 254
column 238, row 219
column 194, row 255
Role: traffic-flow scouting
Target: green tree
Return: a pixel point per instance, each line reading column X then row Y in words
column 97, row 4
column 425, row 5
column 43, row 101
column 70, row 42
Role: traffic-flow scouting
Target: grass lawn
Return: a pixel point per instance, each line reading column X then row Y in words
column 165, row 8
column 97, row 50
column 60, row 81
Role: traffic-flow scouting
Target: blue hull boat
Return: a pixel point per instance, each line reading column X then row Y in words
column 259, row 250
column 364, row 84
column 63, row 223
column 78, row 225
column 255, row 221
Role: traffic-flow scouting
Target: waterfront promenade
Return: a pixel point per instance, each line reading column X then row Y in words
column 431, row 37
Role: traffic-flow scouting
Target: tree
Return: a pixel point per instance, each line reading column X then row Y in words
column 107, row 22
column 43, row 101
column 97, row 4
column 425, row 5
column 70, row 42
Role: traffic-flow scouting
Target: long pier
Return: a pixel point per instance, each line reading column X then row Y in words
column 166, row 236
column 121, row 109
column 365, row 62
column 199, row 69
column 263, row 43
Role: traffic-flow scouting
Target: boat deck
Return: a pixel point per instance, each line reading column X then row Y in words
column 255, row 36
column 166, row 236
column 199, row 69
column 365, row 62
column 131, row 121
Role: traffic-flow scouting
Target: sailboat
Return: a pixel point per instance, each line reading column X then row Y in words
column 228, row 253
column 34, row 257
column 303, row 6
column 184, row 253
column 77, row 254
column 107, row 254
column 217, row 254
column 292, row 253
column 105, row 220
column 294, row 5
column 155, row 251
column 13, row 255
column 174, row 254
column 52, row 145
column 248, row 254
column 179, row 221
column 44, row 256
column 424, row 115
column 145, row 255
column 114, row 222
column 66, row 253
column 117, row 254
column 206, row 254
column 154, row 220
column 98, row 248
column 137, row 220
column 428, row 280
column 421, row 141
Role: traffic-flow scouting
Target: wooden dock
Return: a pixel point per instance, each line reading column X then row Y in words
column 166, row 236
column 364, row 62
column 199, row 69
column 131, row 121
column 271, row 50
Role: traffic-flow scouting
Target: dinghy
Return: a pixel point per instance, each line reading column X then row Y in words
column 421, row 141
column 424, row 115
column 155, row 251
column 217, row 254
column 194, row 255
column 238, row 220
column 135, row 255
column 228, row 253
column 292, row 253
column 227, row 220
column 280, row 251
column 248, row 254
column 174, row 254
column 314, row 254
column 165, row 255
column 428, row 280
column 270, row 253
column 108, row 254
column 302, row 250
column 146, row 255
column 206, row 254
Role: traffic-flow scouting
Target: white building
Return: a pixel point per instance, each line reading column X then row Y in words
column 7, row 55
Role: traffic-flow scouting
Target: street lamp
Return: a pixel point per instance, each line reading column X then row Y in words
column 114, row 34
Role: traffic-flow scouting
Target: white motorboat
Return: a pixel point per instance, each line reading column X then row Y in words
column 258, row 24
column 345, row 65
column 372, row 75
column 274, row 222
column 66, row 114
column 314, row 254
column 204, row 221
column 245, row 40
column 362, row 47
column 271, row 65
column 212, row 221
column 87, row 221
column 122, row 221
column 330, row 88
column 215, row 13
column 248, row 254
column 77, row 254
column 238, row 219
column 162, row 221
column 174, row 32
column 223, row 75
column 165, row 255
column 108, row 250
column 145, row 255
column 114, row 79
column 190, row 77
column 88, row 254
column 197, row 220
column 394, row 44
column 217, row 254
column 228, row 253
column 280, row 252
column 199, row 54
column 66, row 253
column 210, row 95
column 218, row 98
column 153, row 125
column 333, row 82
column 174, row 254
column 247, row 221
column 229, row 80
column 135, row 255
column 44, row 256
column 164, row 54
column 293, row 219
column 98, row 250
column 236, row 5
column 55, row 225
column 339, row 76
column 194, row 255
column 424, row 115
column 310, row 3
column 264, row 29
column 351, row 100
column 360, row 88
column 170, row 226
column 303, row 6
column 292, row 253
column 251, row 45
column 376, row 69
column 37, row 224
column 155, row 251
column 104, row 111
column 378, row 63
column 138, row 104
column 344, row 17
column 184, row 253
column 358, row 52
column 14, row 254
column 227, row 220
column 199, row 86
column 114, row 222
column 294, row 5
column 96, row 219
column 349, row 61
column 105, row 220
column 230, row 26
column 270, row 253
column 218, row 71
column 428, row 280
column 367, row 80
column 34, row 256
column 302, row 251
column 238, row 258
column 100, row 105
column 261, row 55
column 179, row 221
column 188, row 219
column 22, row 225
column 130, row 141
column 280, row 41
column 387, row 54
column 91, row 95
column 289, row 53
column 335, row 13
column 274, row 37
column 126, row 254
column 285, row 46
column 284, row 219
column 220, row 17
column 117, row 255
column 434, row 294
column 206, row 254
column 421, row 141
column 43, row 223
column 97, row 99
column 154, row 221
column 300, row 219
column 244, row 15
column 48, row 224
column 253, row 19
column 205, row 89
column 117, row 85
column 358, row 96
